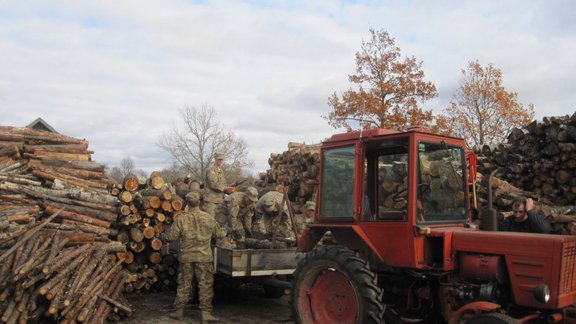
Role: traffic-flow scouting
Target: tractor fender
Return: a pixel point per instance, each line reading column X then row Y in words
column 473, row 308
column 309, row 238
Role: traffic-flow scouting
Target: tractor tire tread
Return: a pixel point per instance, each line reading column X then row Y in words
column 358, row 271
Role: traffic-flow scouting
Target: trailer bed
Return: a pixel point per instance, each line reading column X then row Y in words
column 255, row 262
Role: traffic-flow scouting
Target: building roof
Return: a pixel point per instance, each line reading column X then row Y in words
column 42, row 125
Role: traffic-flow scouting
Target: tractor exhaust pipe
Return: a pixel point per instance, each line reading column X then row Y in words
column 489, row 215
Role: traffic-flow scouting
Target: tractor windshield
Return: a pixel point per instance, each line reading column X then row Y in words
column 441, row 190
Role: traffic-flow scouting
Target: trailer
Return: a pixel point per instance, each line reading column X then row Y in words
column 272, row 268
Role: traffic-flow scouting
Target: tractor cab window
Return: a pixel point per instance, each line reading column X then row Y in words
column 387, row 180
column 337, row 200
column 441, row 187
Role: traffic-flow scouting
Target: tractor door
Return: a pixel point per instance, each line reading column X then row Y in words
column 387, row 209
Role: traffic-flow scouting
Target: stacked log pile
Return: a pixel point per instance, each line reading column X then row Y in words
column 539, row 158
column 41, row 174
column 296, row 169
column 147, row 208
column 47, row 274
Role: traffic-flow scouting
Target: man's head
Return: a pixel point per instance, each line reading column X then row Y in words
column 252, row 194
column 269, row 205
column 310, row 209
column 193, row 198
column 519, row 209
column 219, row 158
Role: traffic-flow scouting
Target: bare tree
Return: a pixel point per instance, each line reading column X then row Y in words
column 126, row 167
column 194, row 143
column 173, row 172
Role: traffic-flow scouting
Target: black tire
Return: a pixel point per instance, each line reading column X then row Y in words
column 492, row 318
column 332, row 284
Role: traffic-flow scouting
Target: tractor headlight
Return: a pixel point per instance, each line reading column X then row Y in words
column 542, row 293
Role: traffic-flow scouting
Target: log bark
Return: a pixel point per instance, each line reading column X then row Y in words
column 61, row 156
column 80, row 165
column 29, row 235
column 105, row 215
column 78, row 217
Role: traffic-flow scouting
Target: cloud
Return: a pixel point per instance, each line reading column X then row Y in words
column 117, row 72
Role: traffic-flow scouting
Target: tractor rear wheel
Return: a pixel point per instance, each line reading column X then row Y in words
column 333, row 284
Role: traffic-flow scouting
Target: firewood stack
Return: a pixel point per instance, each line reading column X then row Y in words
column 295, row 169
column 53, row 275
column 147, row 207
column 539, row 158
column 42, row 174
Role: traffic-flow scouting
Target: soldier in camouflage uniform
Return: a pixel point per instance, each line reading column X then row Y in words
column 267, row 209
column 302, row 220
column 215, row 185
column 234, row 214
column 194, row 229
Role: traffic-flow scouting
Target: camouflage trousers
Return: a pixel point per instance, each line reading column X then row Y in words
column 210, row 208
column 204, row 273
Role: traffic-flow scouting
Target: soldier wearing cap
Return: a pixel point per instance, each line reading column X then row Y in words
column 235, row 214
column 267, row 210
column 306, row 216
column 215, row 185
column 195, row 230
column 310, row 211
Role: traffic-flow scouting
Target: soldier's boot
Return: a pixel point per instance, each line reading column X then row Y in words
column 177, row 313
column 207, row 317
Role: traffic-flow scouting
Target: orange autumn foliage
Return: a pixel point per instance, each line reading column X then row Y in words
column 388, row 89
column 481, row 110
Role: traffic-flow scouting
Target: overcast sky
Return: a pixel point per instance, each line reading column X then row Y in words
column 117, row 73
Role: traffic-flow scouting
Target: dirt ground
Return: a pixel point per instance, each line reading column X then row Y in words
column 246, row 305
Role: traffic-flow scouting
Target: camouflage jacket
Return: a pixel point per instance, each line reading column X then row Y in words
column 195, row 229
column 234, row 213
column 214, row 185
column 267, row 209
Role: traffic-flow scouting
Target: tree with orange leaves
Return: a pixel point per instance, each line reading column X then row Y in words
column 481, row 110
column 388, row 92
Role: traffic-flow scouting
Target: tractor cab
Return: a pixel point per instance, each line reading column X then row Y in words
column 383, row 190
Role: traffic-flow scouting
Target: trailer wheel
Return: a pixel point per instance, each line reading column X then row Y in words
column 332, row 284
column 492, row 318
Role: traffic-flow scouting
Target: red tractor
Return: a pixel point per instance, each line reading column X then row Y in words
column 403, row 248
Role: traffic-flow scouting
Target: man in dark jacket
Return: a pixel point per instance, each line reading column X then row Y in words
column 525, row 218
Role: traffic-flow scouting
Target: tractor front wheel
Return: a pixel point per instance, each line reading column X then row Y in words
column 332, row 284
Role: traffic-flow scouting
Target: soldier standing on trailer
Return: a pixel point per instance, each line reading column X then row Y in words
column 215, row 185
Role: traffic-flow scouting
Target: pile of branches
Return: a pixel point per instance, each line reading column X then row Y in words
column 148, row 207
